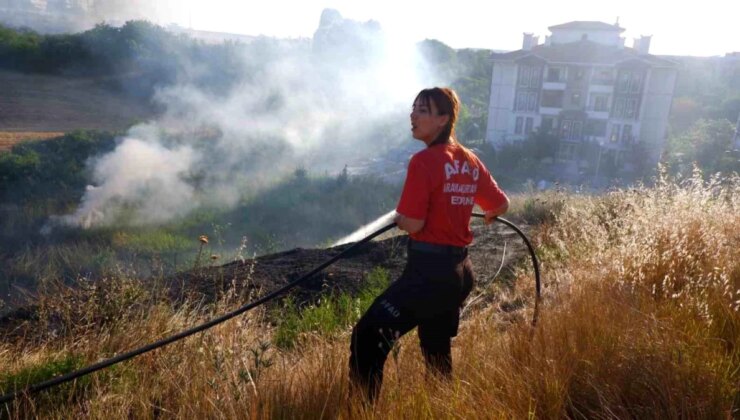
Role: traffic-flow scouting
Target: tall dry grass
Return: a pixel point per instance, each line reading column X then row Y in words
column 640, row 320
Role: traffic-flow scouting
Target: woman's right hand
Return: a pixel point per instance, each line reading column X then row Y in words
column 491, row 215
column 408, row 224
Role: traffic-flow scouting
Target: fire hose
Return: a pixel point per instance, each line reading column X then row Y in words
column 179, row 336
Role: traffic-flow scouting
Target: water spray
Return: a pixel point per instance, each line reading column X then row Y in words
column 367, row 229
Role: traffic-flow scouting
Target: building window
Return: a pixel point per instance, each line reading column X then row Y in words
column 636, row 83
column 547, row 124
column 521, row 101
column 629, row 82
column 579, row 74
column 600, row 103
column 526, row 101
column 577, row 131
column 565, row 128
column 575, row 99
column 627, row 134
column 529, row 76
column 523, row 76
column 519, row 124
column 603, row 77
column 571, row 130
column 528, row 126
column 619, row 105
column 552, row 98
column 534, row 80
column 631, row 108
column 615, row 133
column 626, row 107
column 624, row 82
column 555, row 74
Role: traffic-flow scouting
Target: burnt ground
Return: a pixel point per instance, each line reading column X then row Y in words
column 256, row 277
column 253, row 278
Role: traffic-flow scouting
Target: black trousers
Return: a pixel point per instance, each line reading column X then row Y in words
column 429, row 294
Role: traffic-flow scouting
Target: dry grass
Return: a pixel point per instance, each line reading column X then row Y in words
column 8, row 139
column 640, row 321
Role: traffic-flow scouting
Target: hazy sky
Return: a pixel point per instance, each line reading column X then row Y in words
column 709, row 27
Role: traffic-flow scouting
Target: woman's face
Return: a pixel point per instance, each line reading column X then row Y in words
column 425, row 123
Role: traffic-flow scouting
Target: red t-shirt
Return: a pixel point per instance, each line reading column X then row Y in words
column 442, row 184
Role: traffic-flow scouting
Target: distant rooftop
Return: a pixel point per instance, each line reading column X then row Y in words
column 588, row 25
column 583, row 51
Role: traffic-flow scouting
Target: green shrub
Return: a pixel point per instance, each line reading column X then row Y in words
column 66, row 363
column 330, row 315
column 541, row 208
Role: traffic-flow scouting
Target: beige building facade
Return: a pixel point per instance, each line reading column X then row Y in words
column 585, row 89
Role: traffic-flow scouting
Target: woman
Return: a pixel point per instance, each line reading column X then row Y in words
column 442, row 184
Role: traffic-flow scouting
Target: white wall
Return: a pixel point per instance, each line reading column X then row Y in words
column 563, row 36
column 501, row 104
column 656, row 105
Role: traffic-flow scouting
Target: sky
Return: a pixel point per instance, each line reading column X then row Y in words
column 678, row 28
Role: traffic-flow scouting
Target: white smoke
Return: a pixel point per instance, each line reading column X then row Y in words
column 139, row 168
column 315, row 109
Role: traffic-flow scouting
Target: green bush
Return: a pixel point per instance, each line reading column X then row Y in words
column 51, row 169
column 17, row 381
column 542, row 208
column 18, row 167
column 707, row 144
column 330, row 315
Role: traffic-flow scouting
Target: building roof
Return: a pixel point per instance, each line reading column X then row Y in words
column 588, row 25
column 584, row 52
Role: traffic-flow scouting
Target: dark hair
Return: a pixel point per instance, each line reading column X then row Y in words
column 447, row 103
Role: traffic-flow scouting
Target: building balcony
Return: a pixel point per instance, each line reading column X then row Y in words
column 623, row 142
column 595, row 88
column 596, row 139
column 544, row 110
column 597, row 115
column 553, row 85
column 603, row 82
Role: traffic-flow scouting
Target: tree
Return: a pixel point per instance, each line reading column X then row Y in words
column 730, row 109
column 685, row 111
column 708, row 144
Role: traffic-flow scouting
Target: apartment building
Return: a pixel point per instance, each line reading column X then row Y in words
column 588, row 90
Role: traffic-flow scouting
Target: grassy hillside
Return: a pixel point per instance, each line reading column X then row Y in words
column 640, row 320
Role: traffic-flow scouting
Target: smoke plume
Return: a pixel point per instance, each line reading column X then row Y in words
column 315, row 106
